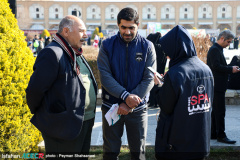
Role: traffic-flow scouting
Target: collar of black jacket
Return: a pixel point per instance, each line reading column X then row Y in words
column 218, row 46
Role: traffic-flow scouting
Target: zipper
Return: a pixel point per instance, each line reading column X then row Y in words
column 126, row 67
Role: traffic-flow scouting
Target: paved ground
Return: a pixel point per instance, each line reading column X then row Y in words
column 232, row 127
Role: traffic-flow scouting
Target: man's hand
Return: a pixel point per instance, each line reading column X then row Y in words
column 133, row 100
column 235, row 69
column 123, row 109
column 157, row 80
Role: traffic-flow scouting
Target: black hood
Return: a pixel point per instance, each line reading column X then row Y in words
column 178, row 45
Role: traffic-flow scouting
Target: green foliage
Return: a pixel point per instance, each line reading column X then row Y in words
column 45, row 33
column 100, row 35
column 17, row 134
column 96, row 31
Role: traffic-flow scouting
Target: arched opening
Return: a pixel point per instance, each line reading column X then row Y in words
column 167, row 26
column 223, row 26
column 205, row 27
column 37, row 27
column 54, row 27
column 112, row 27
column 187, row 26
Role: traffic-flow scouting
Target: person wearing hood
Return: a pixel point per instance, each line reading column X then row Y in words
column 185, row 98
column 122, row 62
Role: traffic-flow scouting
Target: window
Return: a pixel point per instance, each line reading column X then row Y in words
column 56, row 16
column 204, row 15
column 112, row 16
column 223, row 9
column 167, row 16
column 93, row 10
column 149, row 10
column 37, row 9
column 167, row 9
column 185, row 16
column 149, row 16
column 185, row 9
column 56, row 10
column 37, row 15
column 204, row 9
column 93, row 16
column 112, row 10
column 223, row 15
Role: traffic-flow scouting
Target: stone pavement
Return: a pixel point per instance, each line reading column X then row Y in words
column 232, row 121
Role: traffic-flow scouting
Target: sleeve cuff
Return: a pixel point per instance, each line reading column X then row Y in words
column 124, row 95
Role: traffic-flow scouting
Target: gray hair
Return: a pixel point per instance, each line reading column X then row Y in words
column 66, row 22
column 226, row 34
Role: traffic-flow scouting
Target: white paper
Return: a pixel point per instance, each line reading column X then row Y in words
column 111, row 116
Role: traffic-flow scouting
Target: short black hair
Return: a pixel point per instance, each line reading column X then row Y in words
column 128, row 14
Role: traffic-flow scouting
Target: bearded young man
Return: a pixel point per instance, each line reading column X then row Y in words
column 122, row 61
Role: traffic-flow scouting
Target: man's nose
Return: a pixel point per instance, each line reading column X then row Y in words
column 127, row 31
column 85, row 35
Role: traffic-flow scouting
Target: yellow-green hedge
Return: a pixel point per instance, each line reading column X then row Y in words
column 17, row 134
column 91, row 53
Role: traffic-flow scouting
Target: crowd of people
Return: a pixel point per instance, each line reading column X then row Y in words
column 38, row 43
column 62, row 90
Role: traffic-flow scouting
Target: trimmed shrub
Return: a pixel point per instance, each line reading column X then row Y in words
column 45, row 33
column 202, row 46
column 91, row 53
column 96, row 31
column 17, row 134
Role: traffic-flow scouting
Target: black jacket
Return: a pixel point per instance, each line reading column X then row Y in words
column 234, row 78
column 56, row 95
column 217, row 63
column 185, row 99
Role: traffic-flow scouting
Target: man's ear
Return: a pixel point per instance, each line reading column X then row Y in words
column 65, row 31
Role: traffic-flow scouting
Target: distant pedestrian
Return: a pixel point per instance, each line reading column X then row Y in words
column 236, row 42
column 96, row 40
column 47, row 41
column 217, row 62
column 100, row 42
column 35, row 46
column 89, row 41
column 234, row 78
column 212, row 39
column 41, row 45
